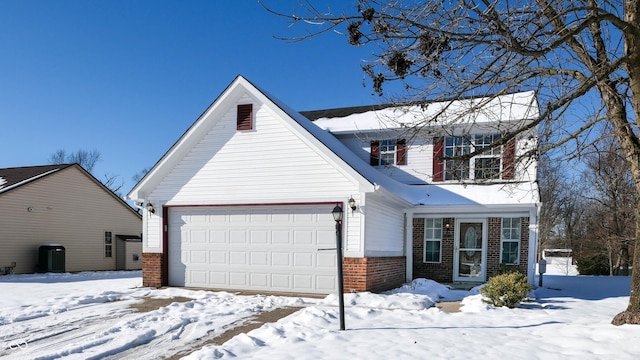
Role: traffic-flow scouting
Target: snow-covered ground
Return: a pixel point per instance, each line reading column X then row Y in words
column 87, row 316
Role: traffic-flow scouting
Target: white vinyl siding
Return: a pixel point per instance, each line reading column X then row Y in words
column 266, row 165
column 384, row 228
column 419, row 157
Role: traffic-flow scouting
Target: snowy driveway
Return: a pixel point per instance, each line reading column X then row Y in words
column 92, row 318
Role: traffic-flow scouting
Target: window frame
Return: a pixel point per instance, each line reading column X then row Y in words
column 511, row 239
column 465, row 169
column 108, row 244
column 388, row 152
column 436, row 227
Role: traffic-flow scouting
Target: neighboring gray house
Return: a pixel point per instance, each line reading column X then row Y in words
column 64, row 208
column 243, row 199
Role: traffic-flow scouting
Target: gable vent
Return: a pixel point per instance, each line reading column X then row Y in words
column 245, row 117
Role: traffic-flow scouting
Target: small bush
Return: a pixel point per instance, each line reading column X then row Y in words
column 506, row 290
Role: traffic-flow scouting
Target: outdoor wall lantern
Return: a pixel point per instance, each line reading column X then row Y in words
column 352, row 204
column 337, row 216
column 150, row 208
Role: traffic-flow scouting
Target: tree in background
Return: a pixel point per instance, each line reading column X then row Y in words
column 582, row 57
column 612, row 196
column 87, row 159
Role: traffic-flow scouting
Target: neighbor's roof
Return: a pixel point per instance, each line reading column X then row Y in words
column 509, row 110
column 11, row 178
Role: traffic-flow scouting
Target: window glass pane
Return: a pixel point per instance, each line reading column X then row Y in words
column 487, row 168
column 510, row 251
column 387, row 152
column 432, row 251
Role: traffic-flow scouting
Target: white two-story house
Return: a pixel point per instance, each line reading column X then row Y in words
column 243, row 199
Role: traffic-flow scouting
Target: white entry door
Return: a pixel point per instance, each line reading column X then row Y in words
column 270, row 248
column 470, row 260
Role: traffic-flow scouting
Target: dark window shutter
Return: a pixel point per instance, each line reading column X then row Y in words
column 375, row 153
column 401, row 152
column 438, row 163
column 245, row 117
column 508, row 159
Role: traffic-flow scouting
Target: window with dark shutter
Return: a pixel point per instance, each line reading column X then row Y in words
column 438, row 162
column 401, row 152
column 375, row 153
column 245, row 117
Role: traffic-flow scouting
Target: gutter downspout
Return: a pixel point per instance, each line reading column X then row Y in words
column 408, row 248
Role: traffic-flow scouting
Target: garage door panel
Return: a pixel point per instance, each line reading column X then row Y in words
column 238, row 258
column 281, row 237
column 260, row 237
column 281, row 258
column 238, row 279
column 303, row 237
column 303, row 259
column 238, row 237
column 254, row 248
column 259, row 258
column 218, row 236
column 218, row 258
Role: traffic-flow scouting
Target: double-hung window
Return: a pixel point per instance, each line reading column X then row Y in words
column 487, row 163
column 388, row 152
column 510, row 239
column 108, row 244
column 433, row 240
column 483, row 166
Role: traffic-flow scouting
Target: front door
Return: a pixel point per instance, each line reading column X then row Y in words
column 470, row 250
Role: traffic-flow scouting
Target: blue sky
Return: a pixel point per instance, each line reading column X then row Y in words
column 127, row 78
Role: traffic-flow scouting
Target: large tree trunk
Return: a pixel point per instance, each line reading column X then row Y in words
column 632, row 314
column 632, row 150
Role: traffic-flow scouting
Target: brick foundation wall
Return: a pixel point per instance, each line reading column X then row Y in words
column 152, row 270
column 373, row 274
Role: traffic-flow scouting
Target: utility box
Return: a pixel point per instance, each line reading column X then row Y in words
column 51, row 258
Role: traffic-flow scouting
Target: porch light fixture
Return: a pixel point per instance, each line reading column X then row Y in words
column 337, row 216
column 352, row 204
column 150, row 208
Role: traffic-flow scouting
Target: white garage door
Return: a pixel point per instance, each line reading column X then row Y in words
column 275, row 248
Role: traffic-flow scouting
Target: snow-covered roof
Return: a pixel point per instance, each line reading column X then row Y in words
column 441, row 194
column 525, row 193
column 506, row 110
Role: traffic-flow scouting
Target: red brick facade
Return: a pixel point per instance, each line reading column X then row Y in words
column 373, row 274
column 443, row 272
column 152, row 269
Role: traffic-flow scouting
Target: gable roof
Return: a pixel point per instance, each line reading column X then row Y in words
column 322, row 139
column 16, row 177
column 11, row 178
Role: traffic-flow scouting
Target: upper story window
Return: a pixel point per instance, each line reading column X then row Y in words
column 388, row 152
column 491, row 164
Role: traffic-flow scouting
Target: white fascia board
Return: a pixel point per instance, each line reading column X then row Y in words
column 497, row 210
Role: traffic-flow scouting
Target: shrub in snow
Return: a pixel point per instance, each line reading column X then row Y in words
column 506, row 290
column 594, row 265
